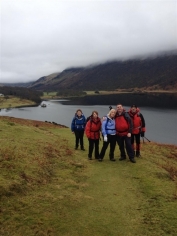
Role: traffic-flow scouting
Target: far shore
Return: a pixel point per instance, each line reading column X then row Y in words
column 14, row 102
column 52, row 95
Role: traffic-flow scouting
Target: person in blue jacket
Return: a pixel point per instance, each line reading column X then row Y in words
column 109, row 135
column 77, row 127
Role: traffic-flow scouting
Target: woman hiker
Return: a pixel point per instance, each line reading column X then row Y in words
column 109, row 135
column 77, row 127
column 92, row 131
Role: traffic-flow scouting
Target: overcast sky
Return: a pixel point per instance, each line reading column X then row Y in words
column 40, row 37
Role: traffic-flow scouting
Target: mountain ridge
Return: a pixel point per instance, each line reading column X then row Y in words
column 158, row 72
column 153, row 72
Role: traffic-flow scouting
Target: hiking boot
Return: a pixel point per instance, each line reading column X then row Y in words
column 132, row 160
column 83, row 149
column 112, row 159
column 122, row 158
column 100, row 159
column 138, row 154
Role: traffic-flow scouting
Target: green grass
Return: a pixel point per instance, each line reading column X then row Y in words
column 14, row 102
column 48, row 188
column 49, row 95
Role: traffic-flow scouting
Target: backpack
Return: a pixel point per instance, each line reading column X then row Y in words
column 107, row 120
column 88, row 118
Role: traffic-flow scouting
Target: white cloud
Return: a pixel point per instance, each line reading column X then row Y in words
column 42, row 37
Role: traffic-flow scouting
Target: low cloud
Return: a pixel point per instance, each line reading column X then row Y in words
column 42, row 37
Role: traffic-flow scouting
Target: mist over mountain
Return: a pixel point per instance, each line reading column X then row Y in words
column 157, row 72
column 153, row 72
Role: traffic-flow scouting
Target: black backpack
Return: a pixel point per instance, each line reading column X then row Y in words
column 88, row 118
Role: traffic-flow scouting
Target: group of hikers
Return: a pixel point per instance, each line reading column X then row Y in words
column 118, row 126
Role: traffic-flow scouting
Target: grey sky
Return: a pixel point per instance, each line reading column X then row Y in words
column 40, row 37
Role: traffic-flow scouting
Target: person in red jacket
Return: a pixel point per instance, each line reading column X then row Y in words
column 123, row 133
column 92, row 131
column 138, row 128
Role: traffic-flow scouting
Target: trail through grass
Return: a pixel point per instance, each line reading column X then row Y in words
column 48, row 188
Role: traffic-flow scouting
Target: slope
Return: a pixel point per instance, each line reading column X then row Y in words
column 48, row 188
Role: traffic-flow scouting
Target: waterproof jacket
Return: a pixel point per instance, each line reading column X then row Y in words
column 138, row 121
column 123, row 124
column 93, row 128
column 78, row 123
column 108, row 126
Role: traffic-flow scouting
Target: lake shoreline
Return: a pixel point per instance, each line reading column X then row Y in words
column 160, row 99
column 160, row 123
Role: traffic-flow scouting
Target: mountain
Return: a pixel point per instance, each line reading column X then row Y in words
column 154, row 72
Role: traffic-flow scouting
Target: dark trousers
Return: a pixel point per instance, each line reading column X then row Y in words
column 136, row 138
column 79, row 134
column 112, row 142
column 93, row 143
column 124, row 142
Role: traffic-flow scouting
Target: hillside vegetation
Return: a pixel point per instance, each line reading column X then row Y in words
column 48, row 188
column 21, row 93
column 155, row 73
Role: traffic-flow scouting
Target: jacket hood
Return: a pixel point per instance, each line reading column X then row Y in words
column 137, row 110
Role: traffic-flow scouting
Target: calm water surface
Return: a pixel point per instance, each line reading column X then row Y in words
column 161, row 124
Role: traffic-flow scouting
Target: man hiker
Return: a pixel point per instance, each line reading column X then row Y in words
column 138, row 128
column 123, row 124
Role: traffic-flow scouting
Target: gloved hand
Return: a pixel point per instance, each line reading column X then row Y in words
column 105, row 138
column 142, row 134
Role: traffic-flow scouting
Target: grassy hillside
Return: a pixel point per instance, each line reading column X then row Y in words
column 13, row 101
column 48, row 188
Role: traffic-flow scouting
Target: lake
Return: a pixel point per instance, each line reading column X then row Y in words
column 161, row 124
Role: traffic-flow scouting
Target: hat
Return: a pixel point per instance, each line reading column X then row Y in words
column 134, row 106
